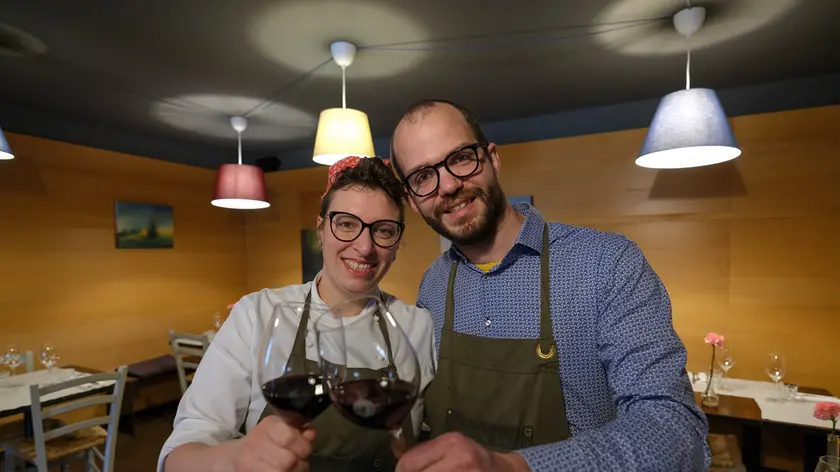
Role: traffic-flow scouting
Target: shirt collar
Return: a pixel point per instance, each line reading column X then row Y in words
column 530, row 236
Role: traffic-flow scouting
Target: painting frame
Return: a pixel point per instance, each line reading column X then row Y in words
column 311, row 257
column 141, row 225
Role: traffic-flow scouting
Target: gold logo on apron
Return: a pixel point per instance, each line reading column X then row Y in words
column 550, row 354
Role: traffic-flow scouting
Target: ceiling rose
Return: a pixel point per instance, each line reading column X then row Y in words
column 208, row 115
column 726, row 20
column 298, row 35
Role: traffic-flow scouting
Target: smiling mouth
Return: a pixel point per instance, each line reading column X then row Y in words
column 459, row 206
column 359, row 266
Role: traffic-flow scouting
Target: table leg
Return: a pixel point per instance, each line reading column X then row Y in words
column 815, row 447
column 751, row 447
column 28, row 430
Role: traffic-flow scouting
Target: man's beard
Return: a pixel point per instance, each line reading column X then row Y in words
column 481, row 229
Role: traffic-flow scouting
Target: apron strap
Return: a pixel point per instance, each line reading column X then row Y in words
column 299, row 351
column 298, row 348
column 545, row 345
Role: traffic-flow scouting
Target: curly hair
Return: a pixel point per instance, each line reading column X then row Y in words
column 370, row 173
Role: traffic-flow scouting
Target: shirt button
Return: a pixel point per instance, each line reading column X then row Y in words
column 487, row 323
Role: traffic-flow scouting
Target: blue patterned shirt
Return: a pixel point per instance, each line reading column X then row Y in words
column 629, row 403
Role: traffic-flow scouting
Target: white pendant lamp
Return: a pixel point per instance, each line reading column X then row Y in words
column 342, row 131
column 689, row 128
column 239, row 186
column 5, row 151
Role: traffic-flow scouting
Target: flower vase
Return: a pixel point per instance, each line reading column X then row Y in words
column 710, row 398
column 833, row 445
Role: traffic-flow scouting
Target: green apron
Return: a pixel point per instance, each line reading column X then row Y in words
column 340, row 444
column 505, row 394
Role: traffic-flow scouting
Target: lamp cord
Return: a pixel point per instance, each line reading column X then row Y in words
column 239, row 139
column 688, row 65
column 343, row 88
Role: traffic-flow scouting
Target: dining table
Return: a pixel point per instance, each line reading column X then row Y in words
column 15, row 397
column 753, row 404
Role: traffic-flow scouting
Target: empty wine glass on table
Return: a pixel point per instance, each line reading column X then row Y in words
column 49, row 356
column 14, row 358
column 774, row 365
column 217, row 321
column 380, row 383
column 828, row 464
column 292, row 378
column 726, row 362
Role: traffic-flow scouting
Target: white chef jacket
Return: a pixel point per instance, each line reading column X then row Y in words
column 226, row 391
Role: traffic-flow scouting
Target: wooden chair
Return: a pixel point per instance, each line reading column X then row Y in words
column 13, row 430
column 188, row 349
column 71, row 440
column 726, row 454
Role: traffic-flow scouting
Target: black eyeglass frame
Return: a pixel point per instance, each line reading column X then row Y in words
column 369, row 227
column 443, row 163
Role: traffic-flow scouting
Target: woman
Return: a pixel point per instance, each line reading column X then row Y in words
column 225, row 393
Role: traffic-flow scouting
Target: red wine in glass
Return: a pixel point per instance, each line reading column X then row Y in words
column 299, row 399
column 291, row 362
column 380, row 381
column 375, row 403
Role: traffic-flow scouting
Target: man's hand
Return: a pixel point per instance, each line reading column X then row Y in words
column 456, row 452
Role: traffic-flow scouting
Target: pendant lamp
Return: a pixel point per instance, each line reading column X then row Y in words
column 342, row 131
column 689, row 128
column 240, row 186
column 5, row 151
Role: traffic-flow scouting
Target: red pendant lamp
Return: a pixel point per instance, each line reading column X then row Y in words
column 240, row 186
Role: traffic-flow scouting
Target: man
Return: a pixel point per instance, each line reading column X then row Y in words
column 555, row 343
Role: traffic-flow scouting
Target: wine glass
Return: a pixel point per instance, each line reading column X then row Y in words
column 774, row 365
column 380, row 383
column 14, row 358
column 726, row 362
column 49, row 356
column 217, row 321
column 290, row 369
column 828, row 464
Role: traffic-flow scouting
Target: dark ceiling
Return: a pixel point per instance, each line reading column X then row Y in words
column 161, row 77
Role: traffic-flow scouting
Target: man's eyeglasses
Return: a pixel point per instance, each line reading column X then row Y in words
column 460, row 163
column 347, row 227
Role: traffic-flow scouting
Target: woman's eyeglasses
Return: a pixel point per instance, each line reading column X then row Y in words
column 347, row 227
column 460, row 163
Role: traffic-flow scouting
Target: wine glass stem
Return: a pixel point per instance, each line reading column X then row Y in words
column 398, row 445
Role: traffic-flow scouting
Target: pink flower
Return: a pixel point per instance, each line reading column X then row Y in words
column 230, row 307
column 828, row 411
column 714, row 339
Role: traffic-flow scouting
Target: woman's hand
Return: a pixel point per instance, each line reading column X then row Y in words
column 273, row 446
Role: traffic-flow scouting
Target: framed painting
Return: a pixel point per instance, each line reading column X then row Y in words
column 312, row 260
column 144, row 226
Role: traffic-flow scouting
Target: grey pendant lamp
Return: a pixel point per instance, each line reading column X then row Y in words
column 689, row 128
column 5, row 150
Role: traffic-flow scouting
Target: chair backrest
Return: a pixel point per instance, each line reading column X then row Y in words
column 188, row 350
column 29, row 361
column 112, row 419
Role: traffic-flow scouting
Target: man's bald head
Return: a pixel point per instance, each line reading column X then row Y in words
column 415, row 113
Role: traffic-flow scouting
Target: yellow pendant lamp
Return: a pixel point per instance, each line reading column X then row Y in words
column 342, row 131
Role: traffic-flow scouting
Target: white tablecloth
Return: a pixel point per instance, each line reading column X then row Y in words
column 14, row 390
column 799, row 411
